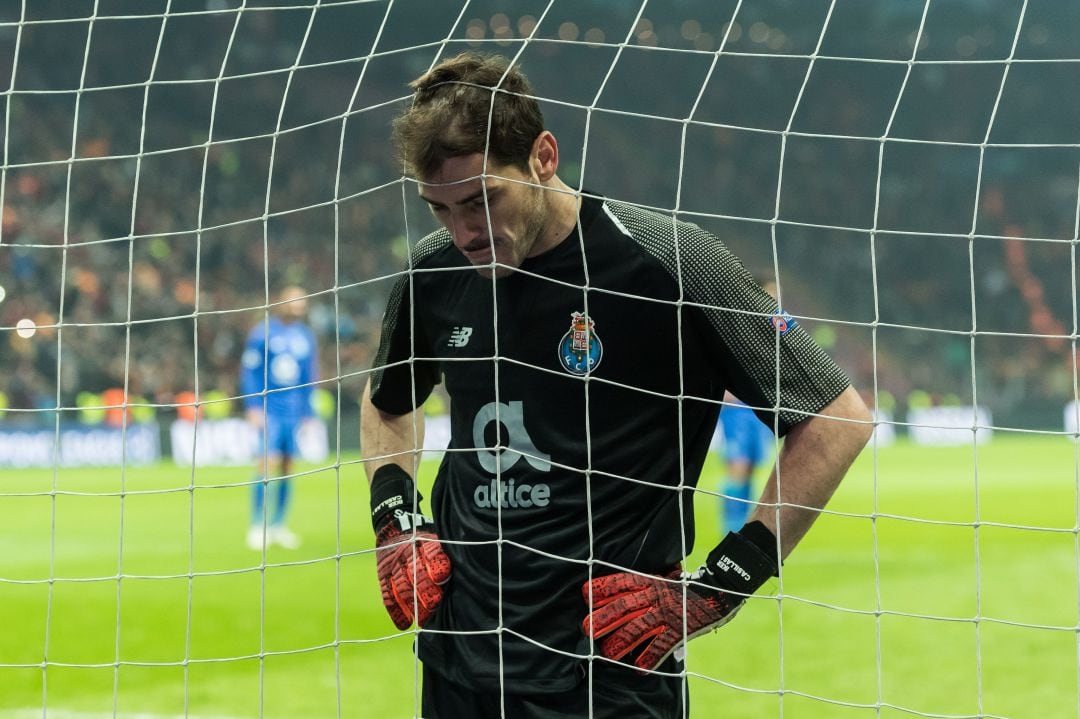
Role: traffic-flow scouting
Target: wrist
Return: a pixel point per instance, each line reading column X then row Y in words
column 762, row 537
column 743, row 561
column 393, row 493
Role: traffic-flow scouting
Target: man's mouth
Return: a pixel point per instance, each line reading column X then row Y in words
column 478, row 252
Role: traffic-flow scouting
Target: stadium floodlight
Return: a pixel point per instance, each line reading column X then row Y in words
column 25, row 328
column 905, row 174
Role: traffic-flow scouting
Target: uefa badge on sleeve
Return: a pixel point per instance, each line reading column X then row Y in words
column 783, row 322
column 580, row 349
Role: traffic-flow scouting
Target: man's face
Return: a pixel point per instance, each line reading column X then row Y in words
column 464, row 202
column 293, row 304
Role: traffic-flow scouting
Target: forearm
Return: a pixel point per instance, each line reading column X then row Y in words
column 410, row 561
column 813, row 459
column 388, row 438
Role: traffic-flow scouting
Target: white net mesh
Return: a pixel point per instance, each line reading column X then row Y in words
column 906, row 173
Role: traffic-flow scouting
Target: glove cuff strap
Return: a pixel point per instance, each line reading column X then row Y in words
column 739, row 564
column 392, row 492
column 761, row 536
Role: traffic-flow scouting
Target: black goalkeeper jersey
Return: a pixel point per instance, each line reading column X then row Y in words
column 584, row 390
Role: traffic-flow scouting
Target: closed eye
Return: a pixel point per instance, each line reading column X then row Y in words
column 475, row 204
column 492, row 198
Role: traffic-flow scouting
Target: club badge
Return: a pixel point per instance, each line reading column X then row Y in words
column 783, row 322
column 580, row 349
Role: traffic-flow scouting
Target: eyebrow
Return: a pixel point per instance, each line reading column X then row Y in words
column 463, row 201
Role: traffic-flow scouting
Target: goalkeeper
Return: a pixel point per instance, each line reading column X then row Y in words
column 586, row 345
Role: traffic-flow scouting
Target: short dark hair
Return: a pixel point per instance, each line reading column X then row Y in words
column 450, row 111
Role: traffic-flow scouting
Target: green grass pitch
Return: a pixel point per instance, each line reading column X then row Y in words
column 954, row 601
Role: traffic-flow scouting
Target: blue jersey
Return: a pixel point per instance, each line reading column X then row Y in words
column 288, row 360
column 746, row 437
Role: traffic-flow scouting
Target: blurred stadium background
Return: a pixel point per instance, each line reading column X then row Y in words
column 169, row 165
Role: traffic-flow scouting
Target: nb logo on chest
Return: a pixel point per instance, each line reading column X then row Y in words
column 459, row 337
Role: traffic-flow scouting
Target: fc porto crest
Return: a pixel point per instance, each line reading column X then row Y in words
column 783, row 322
column 580, row 349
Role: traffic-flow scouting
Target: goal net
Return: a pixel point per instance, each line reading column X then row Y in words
column 903, row 175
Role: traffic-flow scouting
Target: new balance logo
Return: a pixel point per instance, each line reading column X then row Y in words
column 459, row 337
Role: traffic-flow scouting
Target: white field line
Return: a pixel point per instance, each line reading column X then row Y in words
column 40, row 713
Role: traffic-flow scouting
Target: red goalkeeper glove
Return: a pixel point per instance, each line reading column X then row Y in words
column 634, row 612
column 412, row 565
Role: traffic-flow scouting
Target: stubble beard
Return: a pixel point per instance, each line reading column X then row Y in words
column 531, row 235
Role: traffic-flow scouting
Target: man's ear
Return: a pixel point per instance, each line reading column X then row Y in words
column 544, row 158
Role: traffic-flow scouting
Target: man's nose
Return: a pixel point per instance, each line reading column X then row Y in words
column 467, row 230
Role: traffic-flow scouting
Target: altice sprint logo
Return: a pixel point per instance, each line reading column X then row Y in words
column 510, row 416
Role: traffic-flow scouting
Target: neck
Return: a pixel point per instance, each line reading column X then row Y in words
column 562, row 210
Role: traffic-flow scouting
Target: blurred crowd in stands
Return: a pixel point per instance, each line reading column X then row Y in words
column 146, row 225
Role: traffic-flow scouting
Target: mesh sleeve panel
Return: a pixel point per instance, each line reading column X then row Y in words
column 397, row 369
column 773, row 369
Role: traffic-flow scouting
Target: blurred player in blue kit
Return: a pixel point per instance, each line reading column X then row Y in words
column 747, row 443
column 278, row 369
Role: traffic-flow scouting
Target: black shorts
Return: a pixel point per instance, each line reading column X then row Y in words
column 618, row 692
